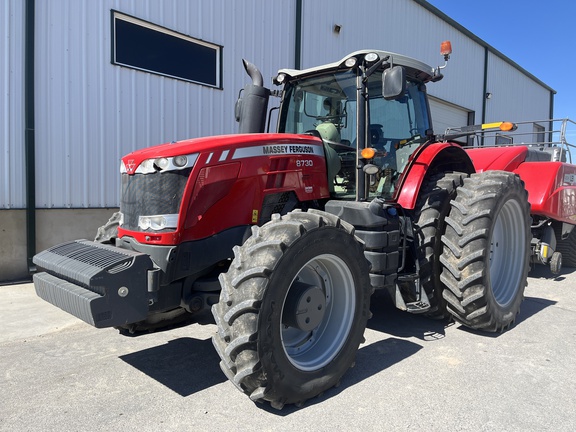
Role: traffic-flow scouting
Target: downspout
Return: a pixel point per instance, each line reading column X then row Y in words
column 485, row 87
column 485, row 91
column 298, row 38
column 29, row 142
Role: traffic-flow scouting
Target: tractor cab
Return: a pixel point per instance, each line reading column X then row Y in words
column 371, row 111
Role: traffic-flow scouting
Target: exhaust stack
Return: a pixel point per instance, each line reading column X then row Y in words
column 252, row 103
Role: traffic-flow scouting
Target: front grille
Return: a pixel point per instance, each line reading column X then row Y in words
column 151, row 194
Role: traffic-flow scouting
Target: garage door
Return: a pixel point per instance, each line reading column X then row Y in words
column 445, row 115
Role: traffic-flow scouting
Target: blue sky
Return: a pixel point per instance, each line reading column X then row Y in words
column 538, row 35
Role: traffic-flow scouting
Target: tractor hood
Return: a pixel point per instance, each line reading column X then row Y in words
column 227, row 147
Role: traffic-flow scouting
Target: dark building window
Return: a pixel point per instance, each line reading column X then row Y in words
column 151, row 48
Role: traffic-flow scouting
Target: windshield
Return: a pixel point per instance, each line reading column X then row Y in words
column 326, row 106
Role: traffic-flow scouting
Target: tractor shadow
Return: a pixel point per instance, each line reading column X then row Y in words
column 530, row 307
column 185, row 365
column 388, row 319
column 188, row 366
column 543, row 272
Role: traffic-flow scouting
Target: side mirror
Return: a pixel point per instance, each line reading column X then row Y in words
column 393, row 83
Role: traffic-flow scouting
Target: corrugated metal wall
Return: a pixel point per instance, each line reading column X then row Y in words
column 514, row 96
column 11, row 104
column 89, row 112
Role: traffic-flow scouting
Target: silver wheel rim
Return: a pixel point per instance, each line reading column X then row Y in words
column 313, row 350
column 507, row 253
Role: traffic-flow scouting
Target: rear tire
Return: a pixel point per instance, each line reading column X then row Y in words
column 487, row 251
column 432, row 207
column 293, row 308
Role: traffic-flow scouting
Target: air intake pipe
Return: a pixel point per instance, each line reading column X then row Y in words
column 252, row 103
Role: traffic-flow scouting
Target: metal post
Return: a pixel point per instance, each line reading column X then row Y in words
column 29, row 139
column 298, row 39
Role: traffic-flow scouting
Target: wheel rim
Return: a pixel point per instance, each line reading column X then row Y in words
column 507, row 253
column 314, row 349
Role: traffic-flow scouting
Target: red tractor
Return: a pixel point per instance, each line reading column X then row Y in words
column 285, row 236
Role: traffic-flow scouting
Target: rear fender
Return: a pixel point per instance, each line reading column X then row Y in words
column 431, row 159
column 497, row 158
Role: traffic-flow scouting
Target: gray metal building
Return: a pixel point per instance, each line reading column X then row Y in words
column 73, row 101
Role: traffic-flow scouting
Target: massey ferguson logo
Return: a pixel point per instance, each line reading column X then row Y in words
column 287, row 149
column 278, row 149
column 130, row 166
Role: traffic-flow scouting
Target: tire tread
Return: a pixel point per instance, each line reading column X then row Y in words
column 467, row 247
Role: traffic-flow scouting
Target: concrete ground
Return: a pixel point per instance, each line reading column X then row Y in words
column 59, row 374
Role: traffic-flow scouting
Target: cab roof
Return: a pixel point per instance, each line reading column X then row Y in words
column 414, row 68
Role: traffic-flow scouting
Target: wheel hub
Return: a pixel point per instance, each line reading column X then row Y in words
column 305, row 306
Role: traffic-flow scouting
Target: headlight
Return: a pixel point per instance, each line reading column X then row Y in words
column 371, row 57
column 180, row 161
column 146, row 167
column 158, row 222
column 162, row 164
column 351, row 62
column 280, row 79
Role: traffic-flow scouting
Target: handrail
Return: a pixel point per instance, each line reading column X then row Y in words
column 541, row 135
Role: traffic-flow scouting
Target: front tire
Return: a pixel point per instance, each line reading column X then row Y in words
column 293, row 308
column 487, row 251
